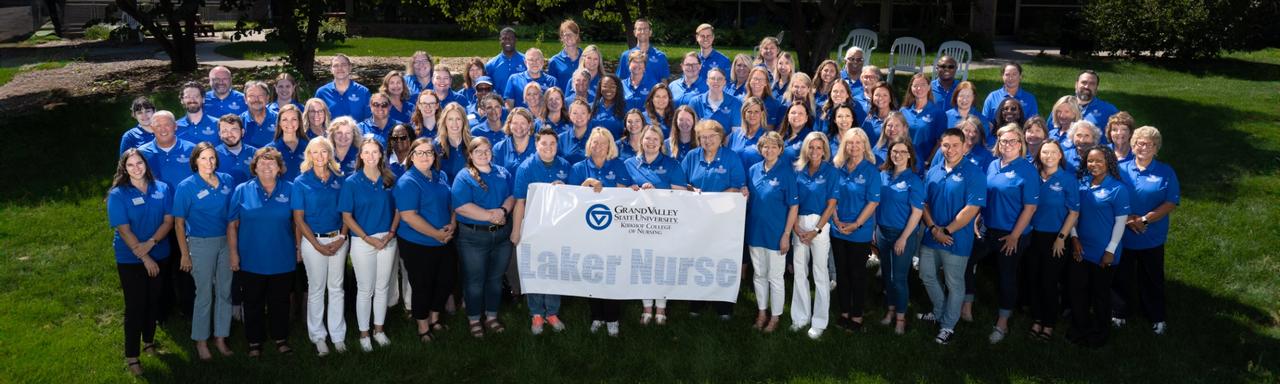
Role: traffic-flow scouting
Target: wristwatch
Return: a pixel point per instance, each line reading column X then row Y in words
column 1062, row 236
column 945, row 231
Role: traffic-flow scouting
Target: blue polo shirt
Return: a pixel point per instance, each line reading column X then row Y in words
column 715, row 59
column 318, row 201
column 235, row 164
column 978, row 156
column 368, row 201
column 1009, row 189
column 369, row 127
column 663, row 172
column 292, row 158
column 483, row 130
column 773, row 193
column 516, row 83
column 500, row 68
column 1059, row 196
column 949, row 191
column 455, row 161
column 774, row 110
column 817, row 188
column 171, row 166
column 941, row 94
column 625, row 150
column 144, row 213
column 855, row 190
column 203, row 205
column 745, row 146
column 573, row 149
column 682, row 153
column 926, row 126
column 429, row 197
column 533, row 170
column 1098, row 112
column 354, row 102
column 234, row 104
column 205, row 130
column 265, row 234
column 898, row 195
column 1072, row 159
column 504, row 153
column 682, row 93
column 404, row 113
column 274, row 107
column 458, row 97
column 1099, row 206
column 655, row 67
column 604, row 117
column 1028, row 101
column 348, row 161
column 872, row 126
column 612, row 173
column 414, row 87
column 467, row 190
column 723, row 172
column 791, row 146
column 636, row 95
column 953, row 118
column 259, row 134
column 728, row 113
column 562, row 67
column 135, row 137
column 1151, row 187
column 570, row 94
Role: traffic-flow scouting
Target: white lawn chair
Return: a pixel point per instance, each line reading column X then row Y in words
column 861, row 38
column 907, row 54
column 959, row 51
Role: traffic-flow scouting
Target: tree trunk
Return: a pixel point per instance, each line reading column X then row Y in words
column 627, row 24
column 55, row 8
column 179, row 44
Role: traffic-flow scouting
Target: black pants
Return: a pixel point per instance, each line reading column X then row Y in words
column 266, row 304
column 1090, row 302
column 1007, row 267
column 851, row 275
column 722, row 308
column 1044, row 275
column 432, row 273
column 141, row 304
column 180, row 287
column 1143, row 268
column 605, row 310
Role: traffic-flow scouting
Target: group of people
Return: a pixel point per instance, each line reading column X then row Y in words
column 422, row 185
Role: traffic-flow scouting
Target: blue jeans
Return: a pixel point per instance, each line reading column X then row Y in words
column 894, row 267
column 946, row 304
column 543, row 305
column 211, row 269
column 484, row 257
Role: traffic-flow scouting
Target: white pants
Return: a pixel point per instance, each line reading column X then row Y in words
column 771, row 289
column 325, row 273
column 802, row 310
column 373, row 279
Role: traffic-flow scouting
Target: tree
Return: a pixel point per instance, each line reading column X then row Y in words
column 812, row 46
column 1185, row 29
column 298, row 23
column 165, row 22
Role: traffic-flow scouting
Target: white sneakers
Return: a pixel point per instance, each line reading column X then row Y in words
column 997, row 335
column 366, row 344
column 613, row 328
column 815, row 333
column 382, row 339
column 595, row 325
column 322, row 349
column 1158, row 328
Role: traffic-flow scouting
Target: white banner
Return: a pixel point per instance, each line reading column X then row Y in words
column 624, row 244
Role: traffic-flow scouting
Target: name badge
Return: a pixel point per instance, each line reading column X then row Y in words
column 139, row 201
column 202, row 194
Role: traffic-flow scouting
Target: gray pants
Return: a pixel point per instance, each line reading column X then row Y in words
column 211, row 269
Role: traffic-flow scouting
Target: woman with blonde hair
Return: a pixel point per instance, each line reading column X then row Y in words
column 316, row 119
column 323, row 243
column 817, row 180
column 857, row 196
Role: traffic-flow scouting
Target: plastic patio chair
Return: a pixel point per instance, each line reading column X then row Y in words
column 907, row 54
column 863, row 38
column 961, row 52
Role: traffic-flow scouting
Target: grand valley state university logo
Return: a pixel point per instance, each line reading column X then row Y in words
column 599, row 217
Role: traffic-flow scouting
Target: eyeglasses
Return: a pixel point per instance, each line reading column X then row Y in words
column 380, row 105
column 424, row 153
column 947, row 66
column 858, row 59
column 399, row 138
column 1010, row 141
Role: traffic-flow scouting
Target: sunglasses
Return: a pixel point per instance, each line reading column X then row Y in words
column 947, row 66
column 380, row 105
column 399, row 138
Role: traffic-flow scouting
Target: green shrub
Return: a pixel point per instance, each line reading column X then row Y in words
column 1188, row 29
column 99, row 31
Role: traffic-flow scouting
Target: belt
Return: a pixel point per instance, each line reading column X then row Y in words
column 487, row 228
column 329, row 234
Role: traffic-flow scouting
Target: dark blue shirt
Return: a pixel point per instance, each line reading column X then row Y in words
column 1099, row 206
column 144, row 213
column 233, row 104
column 348, row 161
column 533, row 170
column 171, row 166
column 724, row 171
column 681, row 93
column 612, row 173
column 467, row 190
column 204, row 206
column 318, row 201
column 773, row 193
column 500, row 68
column 1151, row 187
column 949, row 191
column 562, row 67
column 1010, row 188
column 898, row 195
column 354, row 102
column 728, row 113
column 655, row 67
column 455, row 161
column 516, row 83
column 135, row 137
column 604, row 117
column 573, row 149
column 368, row 201
column 429, row 197
column 817, row 188
column 942, row 95
column 265, row 234
column 504, row 153
column 1059, row 196
column 663, row 172
column 259, row 134
column 1028, row 101
column 205, row 130
column 636, row 95
column 857, row 188
column 235, row 164
column 292, row 158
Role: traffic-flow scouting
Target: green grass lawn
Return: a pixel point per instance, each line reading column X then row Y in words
column 62, row 307
column 7, row 73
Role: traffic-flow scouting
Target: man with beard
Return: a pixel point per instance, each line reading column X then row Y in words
column 221, row 99
column 944, row 83
column 196, row 126
column 233, row 154
column 1092, row 109
column 509, row 62
column 259, row 122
